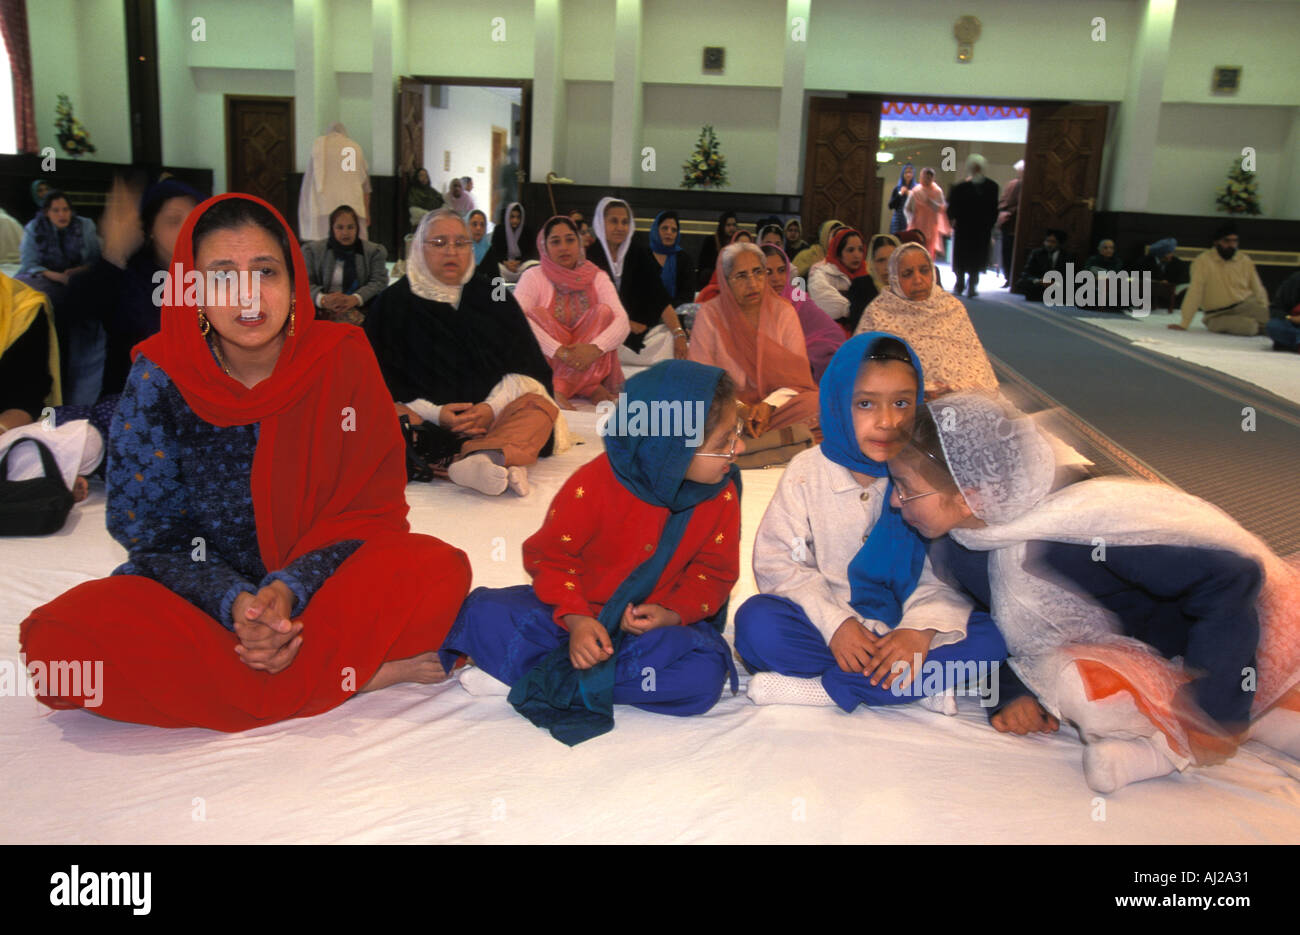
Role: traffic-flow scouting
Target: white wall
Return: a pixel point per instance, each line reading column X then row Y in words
column 744, row 120
column 588, row 105
column 79, row 49
column 1198, row 142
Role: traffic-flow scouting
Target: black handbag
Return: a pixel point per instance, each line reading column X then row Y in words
column 427, row 446
column 35, row 507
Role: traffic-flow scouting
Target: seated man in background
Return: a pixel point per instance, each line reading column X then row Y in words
column 1170, row 276
column 1051, row 256
column 1226, row 285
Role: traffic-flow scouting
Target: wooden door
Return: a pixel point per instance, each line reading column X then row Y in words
column 410, row 144
column 1062, row 177
column 499, row 137
column 259, row 150
column 840, row 163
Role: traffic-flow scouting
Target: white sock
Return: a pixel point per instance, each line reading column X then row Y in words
column 517, row 479
column 479, row 473
column 773, row 688
column 1112, row 764
column 1279, row 729
column 478, row 683
column 945, row 703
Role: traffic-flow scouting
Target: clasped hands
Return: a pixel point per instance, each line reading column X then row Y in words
column 268, row 640
column 589, row 641
column 579, row 356
column 338, row 301
column 468, row 420
column 857, row 649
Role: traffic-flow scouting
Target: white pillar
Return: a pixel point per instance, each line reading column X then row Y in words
column 1139, row 115
column 388, row 61
column 548, row 88
column 790, row 120
column 625, row 121
column 305, row 125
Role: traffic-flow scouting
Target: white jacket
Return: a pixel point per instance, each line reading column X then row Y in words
column 827, row 285
column 817, row 521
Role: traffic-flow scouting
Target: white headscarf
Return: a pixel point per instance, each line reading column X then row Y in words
column 1002, row 465
column 422, row 281
column 512, row 233
column 937, row 327
column 598, row 228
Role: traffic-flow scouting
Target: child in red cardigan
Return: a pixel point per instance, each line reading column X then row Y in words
column 610, row 531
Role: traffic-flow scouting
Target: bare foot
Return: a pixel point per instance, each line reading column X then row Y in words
column 424, row 668
column 80, row 489
column 563, row 402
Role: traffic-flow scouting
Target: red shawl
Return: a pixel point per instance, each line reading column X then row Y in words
column 837, row 244
column 761, row 355
column 330, row 460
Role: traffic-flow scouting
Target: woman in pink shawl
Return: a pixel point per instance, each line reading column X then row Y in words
column 925, row 210
column 821, row 334
column 754, row 335
column 575, row 314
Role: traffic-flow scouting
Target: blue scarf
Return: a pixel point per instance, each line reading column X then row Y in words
column 669, row 272
column 481, row 247
column 576, row 705
column 885, row 570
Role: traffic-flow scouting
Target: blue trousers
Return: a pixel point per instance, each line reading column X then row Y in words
column 1286, row 336
column 773, row 634
column 668, row 670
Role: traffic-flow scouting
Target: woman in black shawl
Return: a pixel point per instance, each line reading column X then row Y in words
column 713, row 246
column 656, row 332
column 458, row 353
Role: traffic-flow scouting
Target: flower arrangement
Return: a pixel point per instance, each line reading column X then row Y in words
column 706, row 167
column 72, row 136
column 1238, row 195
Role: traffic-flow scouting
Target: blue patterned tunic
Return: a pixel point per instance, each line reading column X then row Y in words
column 179, row 500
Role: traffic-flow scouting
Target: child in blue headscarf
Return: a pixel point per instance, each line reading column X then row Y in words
column 631, row 570
column 849, row 611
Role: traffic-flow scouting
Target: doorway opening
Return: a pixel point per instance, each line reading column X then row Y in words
column 940, row 136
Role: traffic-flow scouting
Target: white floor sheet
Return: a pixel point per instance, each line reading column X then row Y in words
column 433, row 764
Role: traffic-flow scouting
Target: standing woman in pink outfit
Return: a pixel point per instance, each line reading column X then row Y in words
column 926, row 207
column 574, row 311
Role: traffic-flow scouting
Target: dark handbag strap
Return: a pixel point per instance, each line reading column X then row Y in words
column 50, row 465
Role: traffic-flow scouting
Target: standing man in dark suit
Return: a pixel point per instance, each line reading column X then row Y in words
column 973, row 209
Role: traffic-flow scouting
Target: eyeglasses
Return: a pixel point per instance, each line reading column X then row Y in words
column 442, row 243
column 915, row 496
column 757, row 276
column 735, row 440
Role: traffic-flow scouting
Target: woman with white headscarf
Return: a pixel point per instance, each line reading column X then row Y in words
column 933, row 322
column 1147, row 617
column 656, row 332
column 456, row 354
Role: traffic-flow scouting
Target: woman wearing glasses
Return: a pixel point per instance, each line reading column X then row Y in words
column 627, row 610
column 847, row 594
column 754, row 335
column 457, row 352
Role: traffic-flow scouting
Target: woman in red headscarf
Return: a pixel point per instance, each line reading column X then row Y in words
column 829, row 281
column 576, row 316
column 257, row 480
column 754, row 334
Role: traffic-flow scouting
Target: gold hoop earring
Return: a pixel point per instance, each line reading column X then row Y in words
column 204, row 325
